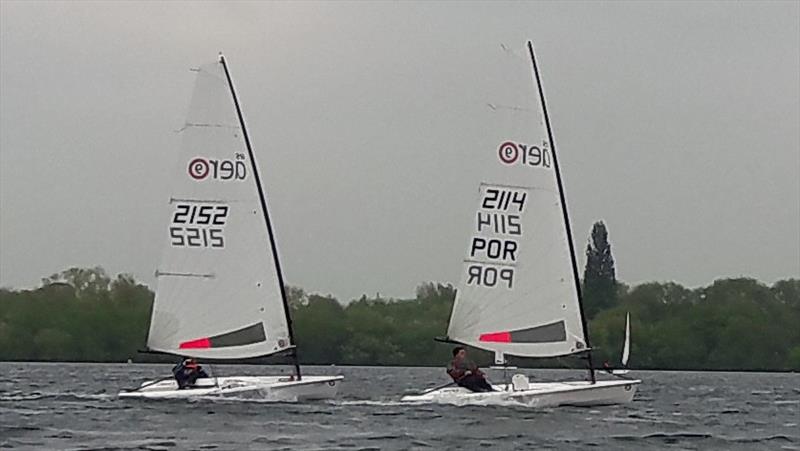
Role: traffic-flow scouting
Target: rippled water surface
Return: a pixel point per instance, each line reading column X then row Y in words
column 73, row 406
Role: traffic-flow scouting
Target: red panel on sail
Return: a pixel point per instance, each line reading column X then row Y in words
column 496, row 337
column 200, row 343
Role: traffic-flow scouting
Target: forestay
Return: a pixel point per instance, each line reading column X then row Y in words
column 518, row 291
column 218, row 294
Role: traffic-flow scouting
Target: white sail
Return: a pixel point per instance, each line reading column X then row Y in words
column 219, row 293
column 518, row 292
column 626, row 348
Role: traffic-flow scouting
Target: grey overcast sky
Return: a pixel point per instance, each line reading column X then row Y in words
column 676, row 123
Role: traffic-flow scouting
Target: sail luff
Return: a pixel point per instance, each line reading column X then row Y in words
column 265, row 212
column 564, row 209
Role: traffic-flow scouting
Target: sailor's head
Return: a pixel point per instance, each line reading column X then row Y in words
column 459, row 351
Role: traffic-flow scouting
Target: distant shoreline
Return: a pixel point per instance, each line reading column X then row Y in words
column 85, row 315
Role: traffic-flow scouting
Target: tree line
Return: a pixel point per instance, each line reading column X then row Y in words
column 82, row 314
column 737, row 324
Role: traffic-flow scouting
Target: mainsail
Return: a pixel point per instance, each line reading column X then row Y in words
column 219, row 291
column 626, row 348
column 518, row 293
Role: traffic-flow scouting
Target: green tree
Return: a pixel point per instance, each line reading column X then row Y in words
column 295, row 297
column 84, row 315
column 793, row 360
column 599, row 275
column 88, row 282
column 320, row 329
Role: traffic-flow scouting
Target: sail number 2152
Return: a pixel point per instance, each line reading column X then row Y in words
column 198, row 225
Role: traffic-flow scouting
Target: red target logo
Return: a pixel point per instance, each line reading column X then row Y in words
column 202, row 168
column 508, row 152
column 199, row 168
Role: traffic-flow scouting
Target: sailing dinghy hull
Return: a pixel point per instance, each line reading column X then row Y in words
column 538, row 394
column 273, row 388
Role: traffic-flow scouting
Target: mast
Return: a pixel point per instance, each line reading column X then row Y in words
column 265, row 211
column 564, row 211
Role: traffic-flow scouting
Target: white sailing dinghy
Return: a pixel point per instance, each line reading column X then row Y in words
column 519, row 292
column 220, row 293
column 626, row 349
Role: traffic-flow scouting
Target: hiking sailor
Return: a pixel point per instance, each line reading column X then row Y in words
column 187, row 372
column 465, row 373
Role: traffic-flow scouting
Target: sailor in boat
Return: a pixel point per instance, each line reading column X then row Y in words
column 466, row 373
column 187, row 372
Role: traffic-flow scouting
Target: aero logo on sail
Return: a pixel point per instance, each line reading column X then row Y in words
column 519, row 153
column 201, row 168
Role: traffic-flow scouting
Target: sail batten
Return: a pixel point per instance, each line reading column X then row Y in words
column 219, row 292
column 518, row 293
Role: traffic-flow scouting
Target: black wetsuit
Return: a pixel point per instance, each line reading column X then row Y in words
column 474, row 381
column 186, row 376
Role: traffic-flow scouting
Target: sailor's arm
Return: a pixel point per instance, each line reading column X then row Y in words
column 455, row 372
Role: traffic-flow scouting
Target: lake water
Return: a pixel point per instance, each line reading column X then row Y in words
column 73, row 406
